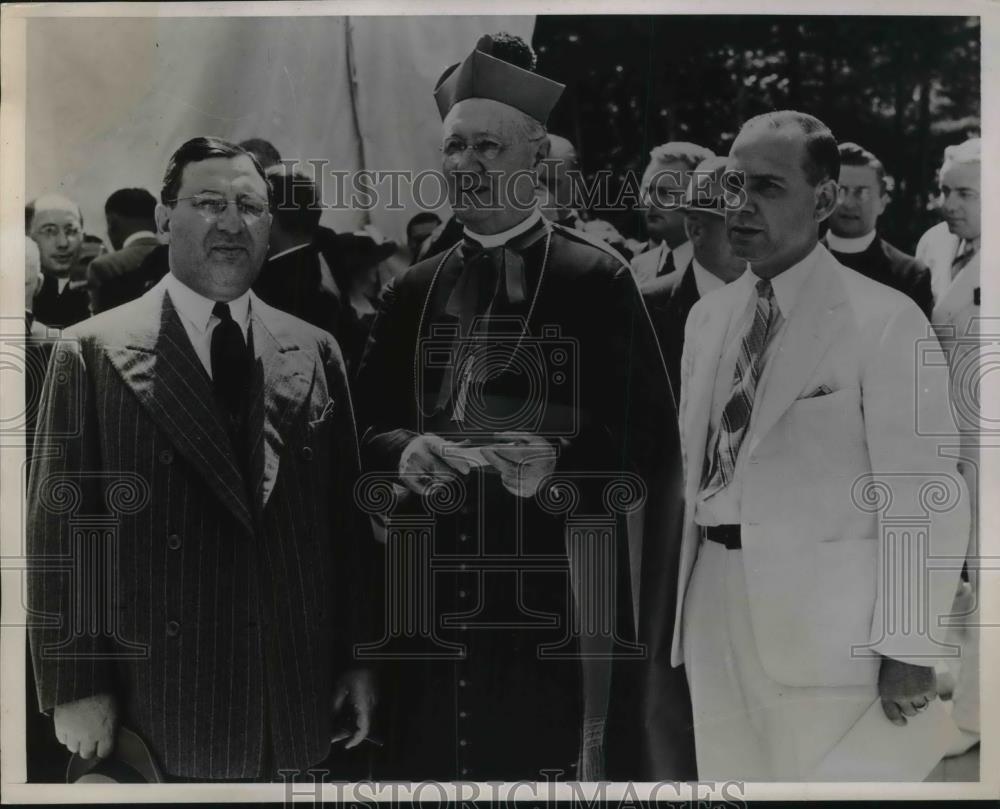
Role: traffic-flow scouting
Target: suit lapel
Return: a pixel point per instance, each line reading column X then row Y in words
column 698, row 407
column 282, row 378
column 808, row 334
column 160, row 366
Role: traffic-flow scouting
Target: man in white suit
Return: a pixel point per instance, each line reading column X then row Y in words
column 795, row 612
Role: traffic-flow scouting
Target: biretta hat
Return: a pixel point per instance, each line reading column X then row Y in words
column 484, row 76
column 705, row 191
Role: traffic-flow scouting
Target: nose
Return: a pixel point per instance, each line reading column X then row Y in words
column 230, row 220
column 62, row 240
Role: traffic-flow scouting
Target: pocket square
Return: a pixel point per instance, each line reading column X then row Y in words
column 328, row 411
column 822, row 390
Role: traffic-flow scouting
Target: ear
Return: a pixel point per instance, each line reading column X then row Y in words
column 694, row 230
column 542, row 151
column 826, row 199
column 883, row 200
column 162, row 213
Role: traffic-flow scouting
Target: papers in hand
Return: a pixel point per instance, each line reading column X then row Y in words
column 874, row 749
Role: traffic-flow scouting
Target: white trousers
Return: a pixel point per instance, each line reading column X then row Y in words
column 747, row 726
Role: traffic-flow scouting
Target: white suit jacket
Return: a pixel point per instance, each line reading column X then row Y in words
column 827, row 583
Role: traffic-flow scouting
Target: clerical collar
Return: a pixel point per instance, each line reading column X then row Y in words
column 497, row 239
column 857, row 244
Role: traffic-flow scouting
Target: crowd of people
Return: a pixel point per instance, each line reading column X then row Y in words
column 243, row 372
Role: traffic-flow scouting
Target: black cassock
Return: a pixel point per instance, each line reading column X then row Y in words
column 568, row 353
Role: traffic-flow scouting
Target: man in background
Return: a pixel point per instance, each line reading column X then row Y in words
column 713, row 264
column 292, row 276
column 663, row 185
column 132, row 233
column 55, row 223
column 418, row 230
column 853, row 237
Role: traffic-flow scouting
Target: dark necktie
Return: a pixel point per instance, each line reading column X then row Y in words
column 963, row 257
column 230, row 366
column 668, row 265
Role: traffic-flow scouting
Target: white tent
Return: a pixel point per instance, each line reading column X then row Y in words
column 108, row 100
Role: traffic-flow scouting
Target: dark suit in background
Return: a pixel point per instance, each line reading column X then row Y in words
column 237, row 588
column 103, row 269
column 888, row 265
column 293, row 283
column 669, row 299
column 61, row 309
column 128, row 286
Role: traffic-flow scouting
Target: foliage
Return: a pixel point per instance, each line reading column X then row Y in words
column 904, row 87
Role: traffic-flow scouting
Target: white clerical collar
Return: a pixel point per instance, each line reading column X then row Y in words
column 289, row 250
column 197, row 309
column 786, row 284
column 705, row 280
column 139, row 234
column 856, row 244
column 497, row 239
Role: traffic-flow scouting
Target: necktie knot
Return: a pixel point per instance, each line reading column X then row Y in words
column 764, row 289
column 221, row 311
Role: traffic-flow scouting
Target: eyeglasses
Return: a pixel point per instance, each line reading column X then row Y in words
column 484, row 148
column 52, row 231
column 862, row 193
column 212, row 206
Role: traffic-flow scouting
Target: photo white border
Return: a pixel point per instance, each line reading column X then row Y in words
column 12, row 167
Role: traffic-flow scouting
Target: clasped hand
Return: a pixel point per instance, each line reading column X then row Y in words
column 522, row 459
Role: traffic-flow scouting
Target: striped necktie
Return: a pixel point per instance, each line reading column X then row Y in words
column 736, row 414
column 962, row 257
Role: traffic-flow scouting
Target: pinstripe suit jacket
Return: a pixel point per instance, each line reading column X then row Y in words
column 218, row 606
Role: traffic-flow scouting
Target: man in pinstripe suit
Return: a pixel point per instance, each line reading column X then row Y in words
column 191, row 526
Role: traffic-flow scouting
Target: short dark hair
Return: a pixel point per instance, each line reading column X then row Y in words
column 263, row 150
column 822, row 157
column 131, row 203
column 295, row 199
column 422, row 218
column 195, row 151
column 853, row 155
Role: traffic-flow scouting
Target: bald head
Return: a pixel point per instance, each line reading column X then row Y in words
column 55, row 223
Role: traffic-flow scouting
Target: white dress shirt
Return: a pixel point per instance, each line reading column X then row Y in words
column 704, row 280
column 195, row 311
column 723, row 507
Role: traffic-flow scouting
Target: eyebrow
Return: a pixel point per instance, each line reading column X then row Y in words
column 959, row 188
column 777, row 177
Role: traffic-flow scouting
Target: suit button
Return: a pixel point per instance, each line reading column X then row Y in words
column 465, row 770
column 173, row 629
column 307, row 453
column 462, row 742
column 462, row 594
column 166, row 456
column 463, row 714
column 462, row 683
column 174, row 541
column 463, row 537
